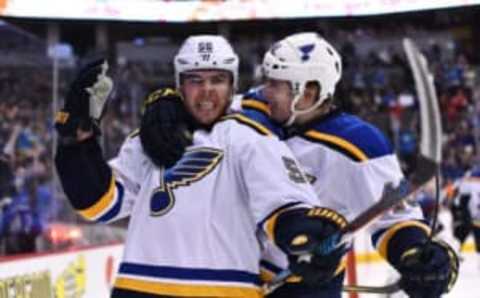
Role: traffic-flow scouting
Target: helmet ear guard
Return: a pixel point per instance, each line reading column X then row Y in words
column 300, row 59
column 206, row 52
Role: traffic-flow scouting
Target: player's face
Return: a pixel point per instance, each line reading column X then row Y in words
column 279, row 96
column 207, row 94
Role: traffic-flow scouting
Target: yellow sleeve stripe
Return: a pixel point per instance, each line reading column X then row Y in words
column 249, row 122
column 266, row 275
column 256, row 105
column 270, row 225
column 383, row 244
column 345, row 145
column 103, row 203
column 186, row 290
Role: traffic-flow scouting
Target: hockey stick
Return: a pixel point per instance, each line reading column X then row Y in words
column 427, row 166
column 388, row 289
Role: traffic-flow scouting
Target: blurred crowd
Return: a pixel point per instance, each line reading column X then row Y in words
column 377, row 85
column 26, row 145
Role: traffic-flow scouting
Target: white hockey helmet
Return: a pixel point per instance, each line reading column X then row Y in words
column 206, row 52
column 302, row 58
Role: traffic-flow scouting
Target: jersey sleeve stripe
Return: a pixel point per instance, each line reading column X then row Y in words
column 115, row 210
column 205, row 274
column 185, row 290
column 268, row 223
column 102, row 204
column 338, row 144
column 187, row 282
column 389, row 233
column 266, row 275
column 249, row 122
column 255, row 105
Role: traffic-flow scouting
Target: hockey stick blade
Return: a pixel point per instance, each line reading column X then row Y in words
column 427, row 163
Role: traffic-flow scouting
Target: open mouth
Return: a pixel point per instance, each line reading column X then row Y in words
column 206, row 105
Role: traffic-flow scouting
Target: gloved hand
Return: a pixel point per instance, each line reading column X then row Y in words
column 166, row 127
column 84, row 103
column 302, row 234
column 428, row 270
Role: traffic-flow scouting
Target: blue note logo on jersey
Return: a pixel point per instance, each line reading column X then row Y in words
column 306, row 50
column 193, row 166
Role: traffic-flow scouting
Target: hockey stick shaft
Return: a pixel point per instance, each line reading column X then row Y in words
column 388, row 289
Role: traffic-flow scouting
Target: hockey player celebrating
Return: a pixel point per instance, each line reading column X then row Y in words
column 348, row 161
column 198, row 187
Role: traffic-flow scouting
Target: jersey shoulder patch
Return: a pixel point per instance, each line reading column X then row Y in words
column 350, row 136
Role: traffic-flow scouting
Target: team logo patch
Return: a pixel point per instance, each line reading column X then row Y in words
column 193, row 166
column 306, row 50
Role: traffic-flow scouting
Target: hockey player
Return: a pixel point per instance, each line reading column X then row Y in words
column 348, row 162
column 197, row 205
column 466, row 209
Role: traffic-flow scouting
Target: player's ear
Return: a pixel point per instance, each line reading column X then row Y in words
column 312, row 91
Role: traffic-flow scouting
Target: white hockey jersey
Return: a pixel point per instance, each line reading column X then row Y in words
column 348, row 161
column 192, row 230
column 471, row 186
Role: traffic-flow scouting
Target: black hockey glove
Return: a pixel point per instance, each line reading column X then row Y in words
column 166, row 127
column 301, row 234
column 428, row 270
column 84, row 103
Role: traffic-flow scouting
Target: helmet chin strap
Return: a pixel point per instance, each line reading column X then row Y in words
column 295, row 113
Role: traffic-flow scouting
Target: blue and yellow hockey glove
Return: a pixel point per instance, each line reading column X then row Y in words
column 300, row 233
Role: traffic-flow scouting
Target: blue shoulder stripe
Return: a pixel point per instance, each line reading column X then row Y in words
column 336, row 143
column 255, row 107
column 264, row 120
column 350, row 136
column 254, row 100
